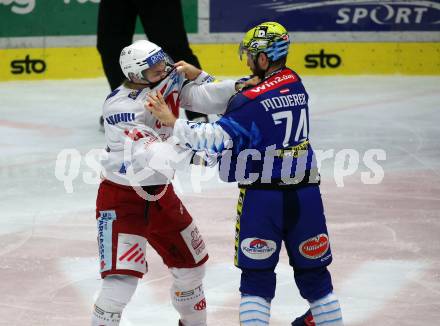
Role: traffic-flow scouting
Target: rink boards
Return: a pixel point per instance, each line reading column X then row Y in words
column 320, row 58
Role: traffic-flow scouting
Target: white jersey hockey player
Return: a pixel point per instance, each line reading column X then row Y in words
column 126, row 221
column 124, row 113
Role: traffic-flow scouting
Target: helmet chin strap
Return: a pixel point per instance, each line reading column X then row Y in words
column 151, row 84
column 144, row 82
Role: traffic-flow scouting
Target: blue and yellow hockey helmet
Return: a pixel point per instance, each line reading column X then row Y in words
column 268, row 37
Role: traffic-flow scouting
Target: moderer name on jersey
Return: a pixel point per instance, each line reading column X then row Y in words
column 284, row 101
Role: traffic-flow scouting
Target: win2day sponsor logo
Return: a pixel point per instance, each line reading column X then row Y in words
column 28, row 66
column 322, row 60
column 258, row 249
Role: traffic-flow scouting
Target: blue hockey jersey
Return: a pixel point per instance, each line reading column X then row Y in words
column 263, row 135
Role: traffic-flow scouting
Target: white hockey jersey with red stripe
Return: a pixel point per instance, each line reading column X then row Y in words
column 130, row 128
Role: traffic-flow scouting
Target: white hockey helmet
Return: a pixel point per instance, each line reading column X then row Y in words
column 138, row 57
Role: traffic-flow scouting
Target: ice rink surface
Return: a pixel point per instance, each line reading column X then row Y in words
column 385, row 237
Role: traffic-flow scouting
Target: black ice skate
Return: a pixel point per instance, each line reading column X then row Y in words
column 304, row 320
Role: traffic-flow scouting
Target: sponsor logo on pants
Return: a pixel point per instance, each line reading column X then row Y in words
column 201, row 305
column 315, row 247
column 258, row 249
column 194, row 242
column 131, row 252
column 105, row 231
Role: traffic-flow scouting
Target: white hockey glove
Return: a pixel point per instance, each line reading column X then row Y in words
column 203, row 159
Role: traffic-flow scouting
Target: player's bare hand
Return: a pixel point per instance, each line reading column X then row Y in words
column 156, row 105
column 189, row 70
column 250, row 82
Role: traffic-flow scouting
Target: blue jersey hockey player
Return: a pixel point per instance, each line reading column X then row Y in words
column 263, row 141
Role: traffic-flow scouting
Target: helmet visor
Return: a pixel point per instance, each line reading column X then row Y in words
column 241, row 50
